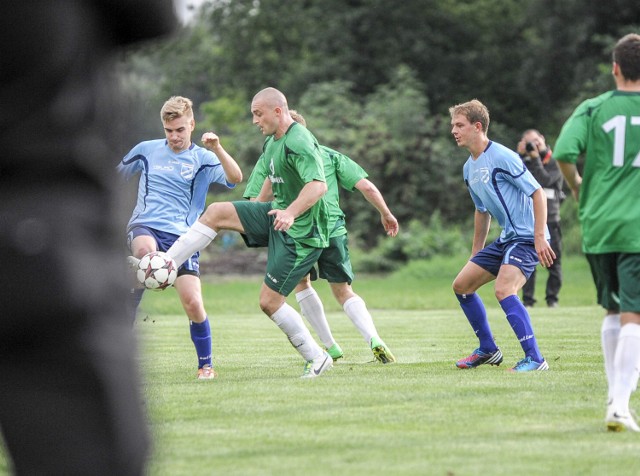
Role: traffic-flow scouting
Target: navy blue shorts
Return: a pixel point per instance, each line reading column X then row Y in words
column 164, row 241
column 521, row 254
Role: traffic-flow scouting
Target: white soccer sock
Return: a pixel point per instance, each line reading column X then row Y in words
column 357, row 311
column 291, row 323
column 195, row 239
column 626, row 364
column 609, row 338
column 312, row 308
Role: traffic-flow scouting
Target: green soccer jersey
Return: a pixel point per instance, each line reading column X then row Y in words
column 339, row 170
column 607, row 130
column 343, row 172
column 293, row 161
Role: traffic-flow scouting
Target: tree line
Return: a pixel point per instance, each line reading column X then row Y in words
column 374, row 80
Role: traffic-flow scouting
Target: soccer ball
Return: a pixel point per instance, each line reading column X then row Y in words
column 157, row 271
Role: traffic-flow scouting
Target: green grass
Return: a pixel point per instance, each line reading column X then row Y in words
column 419, row 416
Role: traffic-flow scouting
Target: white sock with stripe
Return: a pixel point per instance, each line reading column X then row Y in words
column 312, row 308
column 291, row 323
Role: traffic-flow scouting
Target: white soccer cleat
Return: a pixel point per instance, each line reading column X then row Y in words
column 619, row 421
column 313, row 368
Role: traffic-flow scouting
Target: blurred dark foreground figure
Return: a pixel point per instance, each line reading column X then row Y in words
column 69, row 387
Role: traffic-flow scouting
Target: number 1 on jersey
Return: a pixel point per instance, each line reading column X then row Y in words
column 618, row 124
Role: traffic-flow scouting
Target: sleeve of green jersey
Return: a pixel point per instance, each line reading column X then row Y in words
column 348, row 172
column 573, row 136
column 256, row 179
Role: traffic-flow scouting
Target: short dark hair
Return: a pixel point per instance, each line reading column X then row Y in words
column 627, row 55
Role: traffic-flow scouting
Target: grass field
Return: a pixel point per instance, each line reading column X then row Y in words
column 421, row 416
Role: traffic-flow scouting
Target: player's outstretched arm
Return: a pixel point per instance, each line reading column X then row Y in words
column 375, row 198
column 231, row 168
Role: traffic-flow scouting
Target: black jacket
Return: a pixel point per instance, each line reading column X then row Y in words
column 548, row 174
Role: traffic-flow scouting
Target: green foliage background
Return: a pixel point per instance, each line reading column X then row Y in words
column 375, row 79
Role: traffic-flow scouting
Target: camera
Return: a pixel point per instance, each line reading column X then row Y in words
column 530, row 147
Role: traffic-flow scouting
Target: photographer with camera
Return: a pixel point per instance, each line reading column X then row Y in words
column 537, row 157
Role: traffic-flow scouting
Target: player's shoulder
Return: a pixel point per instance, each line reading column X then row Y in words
column 328, row 150
column 334, row 156
column 500, row 152
column 588, row 106
column 499, row 148
column 504, row 158
column 299, row 138
column 204, row 155
column 150, row 145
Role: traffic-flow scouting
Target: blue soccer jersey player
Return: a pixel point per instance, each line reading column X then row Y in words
column 502, row 187
column 174, row 177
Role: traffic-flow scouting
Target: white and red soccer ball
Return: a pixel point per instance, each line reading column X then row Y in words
column 156, row 271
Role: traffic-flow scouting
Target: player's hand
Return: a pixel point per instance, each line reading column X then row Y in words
column 576, row 190
column 545, row 254
column 210, row 140
column 390, row 225
column 283, row 220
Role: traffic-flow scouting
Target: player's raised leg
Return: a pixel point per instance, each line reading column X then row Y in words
column 217, row 216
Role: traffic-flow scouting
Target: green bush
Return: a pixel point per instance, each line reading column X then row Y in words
column 416, row 241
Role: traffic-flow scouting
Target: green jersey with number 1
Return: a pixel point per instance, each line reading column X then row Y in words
column 606, row 129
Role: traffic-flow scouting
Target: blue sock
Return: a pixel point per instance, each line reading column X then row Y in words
column 473, row 308
column 134, row 301
column 520, row 321
column 201, row 338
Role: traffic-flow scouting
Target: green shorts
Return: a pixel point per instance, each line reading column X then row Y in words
column 617, row 280
column 287, row 260
column 334, row 263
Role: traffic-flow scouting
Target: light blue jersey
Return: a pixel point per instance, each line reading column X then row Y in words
column 172, row 189
column 499, row 183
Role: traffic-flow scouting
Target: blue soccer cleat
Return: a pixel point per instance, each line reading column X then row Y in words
column 529, row 365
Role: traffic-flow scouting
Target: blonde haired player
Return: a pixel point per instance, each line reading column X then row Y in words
column 174, row 175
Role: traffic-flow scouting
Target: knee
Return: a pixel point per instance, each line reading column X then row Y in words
column 268, row 306
column 194, row 308
column 305, row 283
column 144, row 250
column 342, row 293
column 459, row 287
column 211, row 214
column 502, row 293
